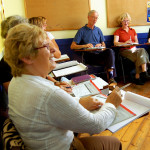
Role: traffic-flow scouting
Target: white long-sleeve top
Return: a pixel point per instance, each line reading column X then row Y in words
column 50, row 35
column 46, row 116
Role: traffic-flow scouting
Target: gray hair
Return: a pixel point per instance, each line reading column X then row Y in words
column 10, row 22
column 92, row 11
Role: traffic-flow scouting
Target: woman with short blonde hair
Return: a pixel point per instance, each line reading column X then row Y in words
column 23, row 45
column 123, row 17
column 127, row 35
column 45, row 115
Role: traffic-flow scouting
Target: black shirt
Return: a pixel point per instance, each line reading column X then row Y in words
column 149, row 34
column 5, row 72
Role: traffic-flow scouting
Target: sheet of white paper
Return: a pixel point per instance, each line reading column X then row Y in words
column 99, row 82
column 64, row 56
column 66, row 64
column 137, row 99
column 84, row 89
column 121, row 114
column 138, row 109
column 124, row 117
column 70, row 70
column 80, row 90
column 96, row 47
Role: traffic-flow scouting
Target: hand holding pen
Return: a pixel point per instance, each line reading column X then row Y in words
column 65, row 86
column 115, row 96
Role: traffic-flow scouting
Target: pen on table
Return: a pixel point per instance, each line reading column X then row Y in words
column 68, row 87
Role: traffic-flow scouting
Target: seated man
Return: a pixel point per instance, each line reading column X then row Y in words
column 91, row 36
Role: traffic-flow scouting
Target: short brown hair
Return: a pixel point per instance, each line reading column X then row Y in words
column 36, row 21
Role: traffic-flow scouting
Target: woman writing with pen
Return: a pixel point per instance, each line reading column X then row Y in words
column 127, row 35
column 45, row 115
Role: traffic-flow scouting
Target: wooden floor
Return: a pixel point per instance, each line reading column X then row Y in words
column 136, row 135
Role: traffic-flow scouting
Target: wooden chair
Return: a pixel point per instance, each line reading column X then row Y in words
column 98, row 70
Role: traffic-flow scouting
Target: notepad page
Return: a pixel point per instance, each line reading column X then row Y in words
column 69, row 70
column 66, row 64
column 64, row 56
column 100, row 83
column 84, row 89
column 138, row 109
column 81, row 90
column 96, row 48
column 137, row 99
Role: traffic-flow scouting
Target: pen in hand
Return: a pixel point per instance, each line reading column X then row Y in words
column 121, row 88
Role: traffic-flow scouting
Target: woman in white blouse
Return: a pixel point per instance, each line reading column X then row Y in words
column 45, row 115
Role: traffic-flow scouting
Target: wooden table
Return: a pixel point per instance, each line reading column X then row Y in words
column 135, row 135
column 146, row 43
column 88, row 50
column 127, row 45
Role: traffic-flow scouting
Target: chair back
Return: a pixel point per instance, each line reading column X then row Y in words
column 10, row 137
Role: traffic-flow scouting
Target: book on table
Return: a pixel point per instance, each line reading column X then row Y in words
column 79, row 79
column 132, row 107
column 90, row 87
column 68, row 68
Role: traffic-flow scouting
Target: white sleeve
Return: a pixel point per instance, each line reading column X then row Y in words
column 65, row 112
column 50, row 35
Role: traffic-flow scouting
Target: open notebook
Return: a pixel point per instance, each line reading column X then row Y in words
column 132, row 107
column 90, row 87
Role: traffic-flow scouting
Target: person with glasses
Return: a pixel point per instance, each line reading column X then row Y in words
column 127, row 35
column 90, row 36
column 45, row 115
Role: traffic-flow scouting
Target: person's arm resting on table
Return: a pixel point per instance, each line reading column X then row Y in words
column 71, row 115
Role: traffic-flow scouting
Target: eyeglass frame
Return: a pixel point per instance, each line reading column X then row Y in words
column 45, row 45
column 126, row 21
